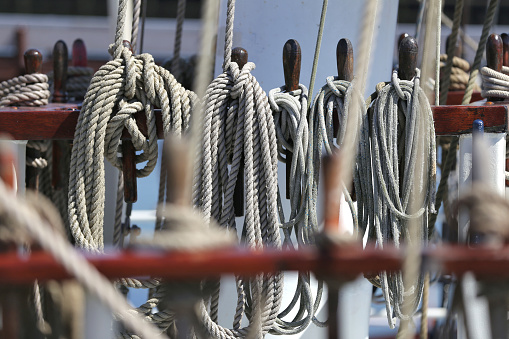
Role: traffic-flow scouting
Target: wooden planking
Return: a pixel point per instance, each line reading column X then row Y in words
column 58, row 121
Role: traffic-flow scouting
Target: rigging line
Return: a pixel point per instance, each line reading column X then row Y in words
column 317, row 49
column 420, row 15
column 143, row 17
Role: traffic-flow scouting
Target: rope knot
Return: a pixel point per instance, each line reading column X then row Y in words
column 240, row 77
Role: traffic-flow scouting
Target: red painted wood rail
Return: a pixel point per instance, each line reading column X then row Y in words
column 343, row 262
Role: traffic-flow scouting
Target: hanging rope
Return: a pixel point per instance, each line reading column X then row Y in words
column 124, row 86
column 402, row 154
column 459, row 72
column 238, row 124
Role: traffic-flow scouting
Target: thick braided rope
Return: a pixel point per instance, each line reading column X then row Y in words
column 398, row 163
column 78, row 80
column 289, row 111
column 495, row 84
column 128, row 84
column 238, row 124
column 23, row 216
column 135, row 24
column 25, row 90
column 181, row 12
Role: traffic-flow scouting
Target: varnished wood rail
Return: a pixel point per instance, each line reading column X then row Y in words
column 58, row 121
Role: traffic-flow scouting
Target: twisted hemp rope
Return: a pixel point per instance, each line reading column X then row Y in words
column 25, row 90
column 401, row 157
column 238, row 124
column 124, row 86
column 495, row 84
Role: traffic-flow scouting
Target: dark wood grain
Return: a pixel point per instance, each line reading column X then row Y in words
column 79, row 54
column 401, row 37
column 505, row 46
column 456, row 97
column 240, row 57
column 60, row 60
column 407, row 58
column 494, row 52
column 494, row 56
column 291, row 70
column 129, row 171
column 33, row 61
column 344, row 59
column 291, row 64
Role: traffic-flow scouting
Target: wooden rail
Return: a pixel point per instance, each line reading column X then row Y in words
column 338, row 262
column 58, row 121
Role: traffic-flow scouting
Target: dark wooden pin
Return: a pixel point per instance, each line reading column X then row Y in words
column 33, row 64
column 33, row 61
column 239, row 56
column 291, row 70
column 129, row 163
column 401, row 37
column 407, row 58
column 79, row 53
column 505, row 45
column 60, row 58
column 344, row 61
column 494, row 56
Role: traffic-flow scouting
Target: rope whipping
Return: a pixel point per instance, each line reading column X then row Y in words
column 238, row 125
column 403, row 159
column 124, row 86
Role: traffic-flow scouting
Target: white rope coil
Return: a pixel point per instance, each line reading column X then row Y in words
column 25, row 90
column 495, row 84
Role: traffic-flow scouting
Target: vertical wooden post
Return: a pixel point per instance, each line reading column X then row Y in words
column 33, row 64
column 494, row 56
column 291, row 70
column 79, row 53
column 60, row 59
column 344, row 63
column 240, row 57
column 505, row 45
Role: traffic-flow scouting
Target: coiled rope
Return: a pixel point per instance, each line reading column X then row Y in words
column 238, row 124
column 459, row 72
column 289, row 110
column 495, row 84
column 124, row 86
column 25, row 90
column 401, row 157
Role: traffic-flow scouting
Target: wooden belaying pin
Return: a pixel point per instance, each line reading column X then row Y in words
column 291, row 70
column 239, row 56
column 401, row 37
column 494, row 56
column 60, row 60
column 458, row 51
column 505, row 47
column 344, row 63
column 33, row 64
column 332, row 192
column 407, row 58
column 129, row 162
column 79, row 53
